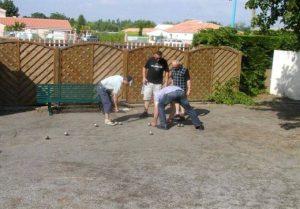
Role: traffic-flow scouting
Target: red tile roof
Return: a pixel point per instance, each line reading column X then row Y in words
column 191, row 26
column 36, row 23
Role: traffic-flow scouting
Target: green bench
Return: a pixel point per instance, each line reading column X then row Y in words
column 66, row 94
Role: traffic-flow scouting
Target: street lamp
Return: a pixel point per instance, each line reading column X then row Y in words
column 233, row 14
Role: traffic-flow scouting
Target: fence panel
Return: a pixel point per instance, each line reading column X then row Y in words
column 108, row 61
column 25, row 64
column 37, row 64
column 76, row 64
column 227, row 65
column 9, row 73
column 200, row 66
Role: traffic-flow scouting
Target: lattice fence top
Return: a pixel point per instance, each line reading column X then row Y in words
column 77, row 64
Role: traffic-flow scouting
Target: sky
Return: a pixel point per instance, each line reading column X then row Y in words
column 155, row 10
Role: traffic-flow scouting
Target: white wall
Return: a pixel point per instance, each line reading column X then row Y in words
column 2, row 13
column 285, row 78
column 188, row 37
column 2, row 27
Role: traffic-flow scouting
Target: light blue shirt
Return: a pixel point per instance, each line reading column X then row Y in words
column 166, row 90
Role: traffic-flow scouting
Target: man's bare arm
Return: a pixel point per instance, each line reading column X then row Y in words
column 145, row 75
column 115, row 98
column 188, row 91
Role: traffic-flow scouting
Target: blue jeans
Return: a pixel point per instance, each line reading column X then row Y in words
column 178, row 97
column 105, row 96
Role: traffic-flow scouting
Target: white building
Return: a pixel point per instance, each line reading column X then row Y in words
column 185, row 31
column 159, row 33
column 179, row 33
column 2, row 15
column 40, row 27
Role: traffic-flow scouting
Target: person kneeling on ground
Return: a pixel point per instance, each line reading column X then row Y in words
column 172, row 95
column 108, row 88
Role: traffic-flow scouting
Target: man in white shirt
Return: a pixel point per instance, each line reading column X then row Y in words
column 108, row 88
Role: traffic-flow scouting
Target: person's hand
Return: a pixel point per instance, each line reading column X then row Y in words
column 145, row 81
column 153, row 124
column 188, row 92
column 170, row 121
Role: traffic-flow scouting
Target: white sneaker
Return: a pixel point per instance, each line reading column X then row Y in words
column 110, row 123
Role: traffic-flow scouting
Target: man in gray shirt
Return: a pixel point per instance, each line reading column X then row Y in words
column 172, row 94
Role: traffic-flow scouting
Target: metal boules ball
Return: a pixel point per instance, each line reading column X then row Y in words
column 151, row 133
column 47, row 137
column 66, row 133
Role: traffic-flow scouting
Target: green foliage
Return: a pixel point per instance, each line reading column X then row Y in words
column 58, row 16
column 10, row 7
column 119, row 25
column 81, row 24
column 111, row 37
column 16, row 27
column 225, row 36
column 257, row 52
column 39, row 15
column 270, row 11
column 228, row 94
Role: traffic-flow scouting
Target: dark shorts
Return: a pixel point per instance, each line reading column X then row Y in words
column 106, row 99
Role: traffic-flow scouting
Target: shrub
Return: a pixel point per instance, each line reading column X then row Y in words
column 229, row 94
column 112, row 37
column 257, row 52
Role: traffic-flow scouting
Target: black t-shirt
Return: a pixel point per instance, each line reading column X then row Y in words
column 156, row 70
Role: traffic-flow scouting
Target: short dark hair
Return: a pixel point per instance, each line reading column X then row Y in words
column 159, row 53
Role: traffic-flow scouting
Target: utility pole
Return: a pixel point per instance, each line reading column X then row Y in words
column 233, row 14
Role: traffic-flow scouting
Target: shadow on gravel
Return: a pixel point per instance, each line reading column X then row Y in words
column 287, row 110
column 6, row 110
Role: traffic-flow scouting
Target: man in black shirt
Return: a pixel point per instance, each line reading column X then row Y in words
column 153, row 77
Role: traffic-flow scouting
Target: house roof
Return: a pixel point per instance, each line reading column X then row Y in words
column 36, row 23
column 191, row 26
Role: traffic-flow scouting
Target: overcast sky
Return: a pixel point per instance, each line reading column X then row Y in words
column 156, row 10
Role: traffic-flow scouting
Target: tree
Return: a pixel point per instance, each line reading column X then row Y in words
column 270, row 11
column 141, row 24
column 16, row 27
column 81, row 23
column 39, row 15
column 58, row 16
column 214, row 22
column 10, row 7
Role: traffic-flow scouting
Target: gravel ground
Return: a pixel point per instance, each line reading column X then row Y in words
column 245, row 158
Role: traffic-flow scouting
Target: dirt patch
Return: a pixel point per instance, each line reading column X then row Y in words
column 244, row 159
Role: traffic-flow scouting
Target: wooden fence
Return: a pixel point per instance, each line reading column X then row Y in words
column 25, row 64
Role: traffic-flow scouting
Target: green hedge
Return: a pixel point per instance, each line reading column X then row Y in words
column 111, row 37
column 257, row 52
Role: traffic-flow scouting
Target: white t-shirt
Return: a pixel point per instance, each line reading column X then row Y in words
column 113, row 83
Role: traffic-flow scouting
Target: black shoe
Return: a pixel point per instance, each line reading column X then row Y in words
column 200, row 128
column 144, row 115
column 162, row 127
